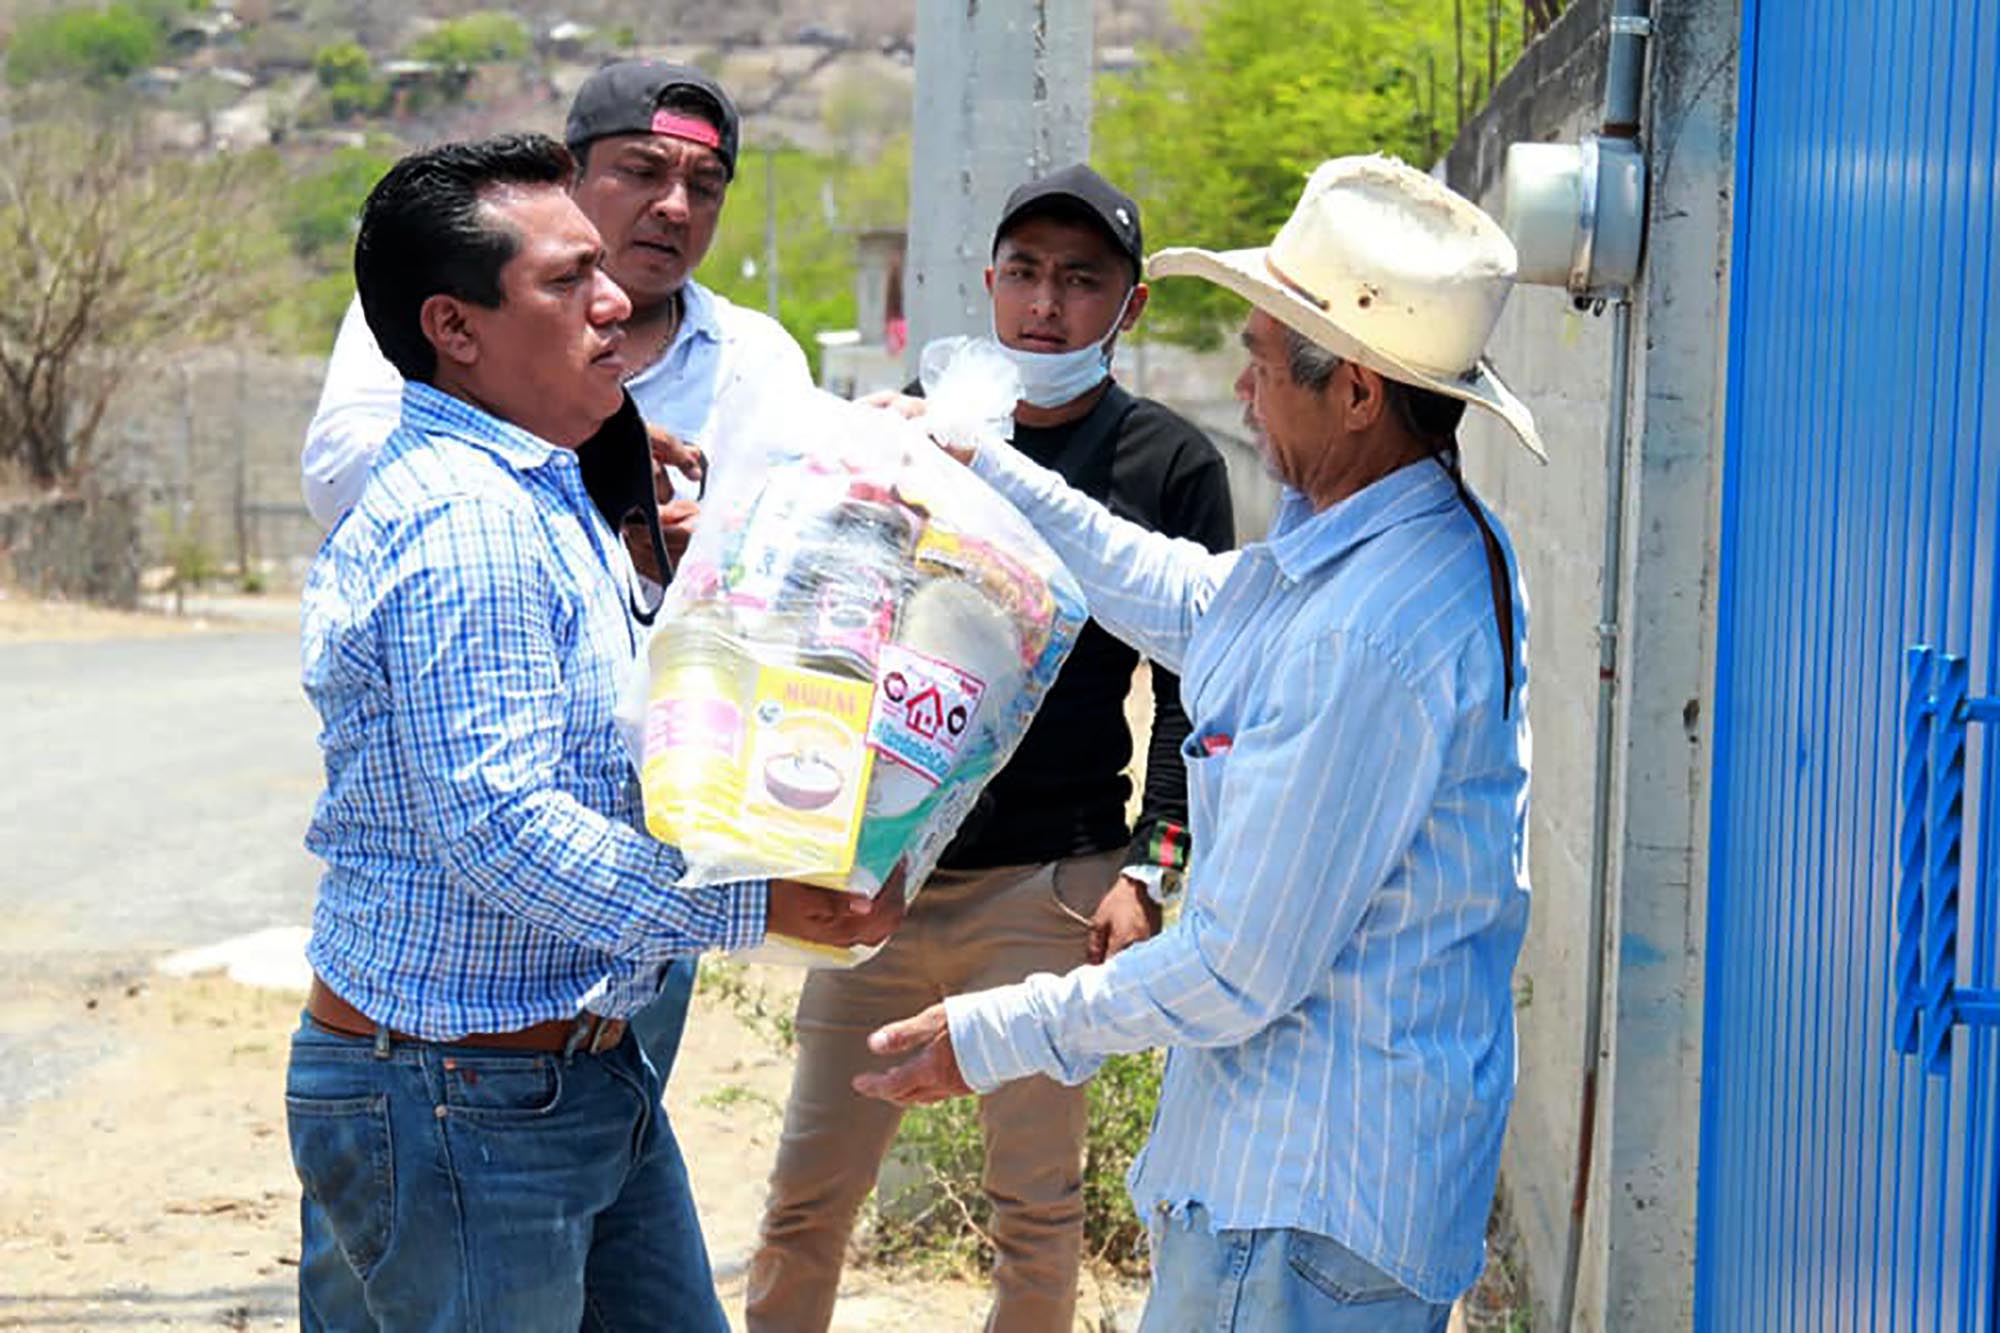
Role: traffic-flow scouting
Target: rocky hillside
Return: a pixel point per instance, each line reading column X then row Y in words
column 813, row 74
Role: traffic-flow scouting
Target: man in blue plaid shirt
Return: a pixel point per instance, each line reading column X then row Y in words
column 480, row 1141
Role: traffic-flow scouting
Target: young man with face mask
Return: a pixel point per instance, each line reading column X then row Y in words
column 1047, row 873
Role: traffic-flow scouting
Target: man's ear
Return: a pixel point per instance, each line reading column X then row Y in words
column 989, row 282
column 445, row 324
column 1365, row 397
column 1134, row 308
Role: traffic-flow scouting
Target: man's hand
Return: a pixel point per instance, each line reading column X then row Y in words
column 677, row 524
column 677, row 516
column 1126, row 916
column 907, row 406
column 932, row 1076
column 670, row 451
column 828, row 916
column 910, row 408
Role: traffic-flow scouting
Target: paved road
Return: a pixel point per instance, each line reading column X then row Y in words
column 153, row 795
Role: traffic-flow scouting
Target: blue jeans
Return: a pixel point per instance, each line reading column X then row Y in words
column 659, row 1025
column 457, row 1187
column 1272, row 1281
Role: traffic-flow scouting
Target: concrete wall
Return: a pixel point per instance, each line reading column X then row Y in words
column 208, row 447
column 1637, row 1271
column 71, row 547
column 1201, row 387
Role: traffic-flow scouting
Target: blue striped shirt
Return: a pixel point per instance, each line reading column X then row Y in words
column 465, row 638
column 1336, row 995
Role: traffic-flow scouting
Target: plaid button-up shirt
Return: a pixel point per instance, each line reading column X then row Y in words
column 466, row 634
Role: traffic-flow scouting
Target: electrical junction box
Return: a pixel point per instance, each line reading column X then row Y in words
column 1576, row 213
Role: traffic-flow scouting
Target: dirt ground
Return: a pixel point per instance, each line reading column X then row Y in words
column 23, row 618
column 156, row 1190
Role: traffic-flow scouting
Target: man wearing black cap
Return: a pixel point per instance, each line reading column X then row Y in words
column 655, row 146
column 1047, row 873
column 656, row 149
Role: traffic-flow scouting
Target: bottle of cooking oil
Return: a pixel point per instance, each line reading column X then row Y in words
column 696, row 736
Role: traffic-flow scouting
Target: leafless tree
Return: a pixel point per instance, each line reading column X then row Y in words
column 108, row 255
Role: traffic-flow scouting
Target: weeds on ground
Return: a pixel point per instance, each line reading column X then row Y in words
column 940, row 1213
column 767, row 1018
column 931, row 1185
column 732, row 1095
column 1498, row 1302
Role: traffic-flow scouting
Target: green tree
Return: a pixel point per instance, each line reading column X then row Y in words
column 821, row 202
column 1216, row 138
column 348, row 88
column 477, row 39
column 92, row 46
column 342, row 62
column 321, row 208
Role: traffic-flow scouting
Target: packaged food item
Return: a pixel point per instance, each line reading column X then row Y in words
column 855, row 642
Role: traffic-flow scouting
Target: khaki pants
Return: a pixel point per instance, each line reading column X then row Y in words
column 966, row 931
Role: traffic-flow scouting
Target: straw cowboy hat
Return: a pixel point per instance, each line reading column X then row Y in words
column 1382, row 265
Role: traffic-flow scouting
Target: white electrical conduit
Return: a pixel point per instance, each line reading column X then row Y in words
column 1624, row 80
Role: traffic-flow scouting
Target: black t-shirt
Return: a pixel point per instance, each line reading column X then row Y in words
column 1064, row 791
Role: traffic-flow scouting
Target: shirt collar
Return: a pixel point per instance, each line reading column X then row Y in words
column 701, row 318
column 698, row 314
column 1303, row 542
column 432, row 411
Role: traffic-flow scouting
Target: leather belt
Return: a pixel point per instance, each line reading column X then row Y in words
column 587, row 1032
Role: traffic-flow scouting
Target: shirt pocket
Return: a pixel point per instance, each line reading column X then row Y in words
column 1206, row 757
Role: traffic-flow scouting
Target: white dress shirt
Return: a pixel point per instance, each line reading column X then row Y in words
column 722, row 360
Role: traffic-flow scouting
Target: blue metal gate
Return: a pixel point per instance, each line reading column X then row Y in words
column 1851, row 1095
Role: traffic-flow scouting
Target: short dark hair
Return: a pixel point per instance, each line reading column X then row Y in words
column 424, row 233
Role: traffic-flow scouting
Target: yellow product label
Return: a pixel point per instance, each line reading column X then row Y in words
column 806, row 768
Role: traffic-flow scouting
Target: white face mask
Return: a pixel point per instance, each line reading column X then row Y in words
column 1050, row 379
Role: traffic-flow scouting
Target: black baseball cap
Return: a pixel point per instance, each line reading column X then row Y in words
column 1072, row 189
column 625, row 97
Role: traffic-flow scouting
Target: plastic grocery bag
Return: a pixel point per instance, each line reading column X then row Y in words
column 855, row 642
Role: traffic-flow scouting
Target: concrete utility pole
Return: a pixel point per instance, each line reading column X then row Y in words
column 1003, row 95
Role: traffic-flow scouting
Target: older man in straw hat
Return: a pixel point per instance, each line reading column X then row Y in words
column 1336, row 993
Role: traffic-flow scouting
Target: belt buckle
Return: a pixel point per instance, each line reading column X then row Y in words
column 594, row 1034
column 610, row 1031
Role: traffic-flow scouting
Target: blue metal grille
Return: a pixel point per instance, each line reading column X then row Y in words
column 1851, row 1086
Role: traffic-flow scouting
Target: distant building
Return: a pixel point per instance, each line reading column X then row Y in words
column 572, row 41
column 859, row 361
